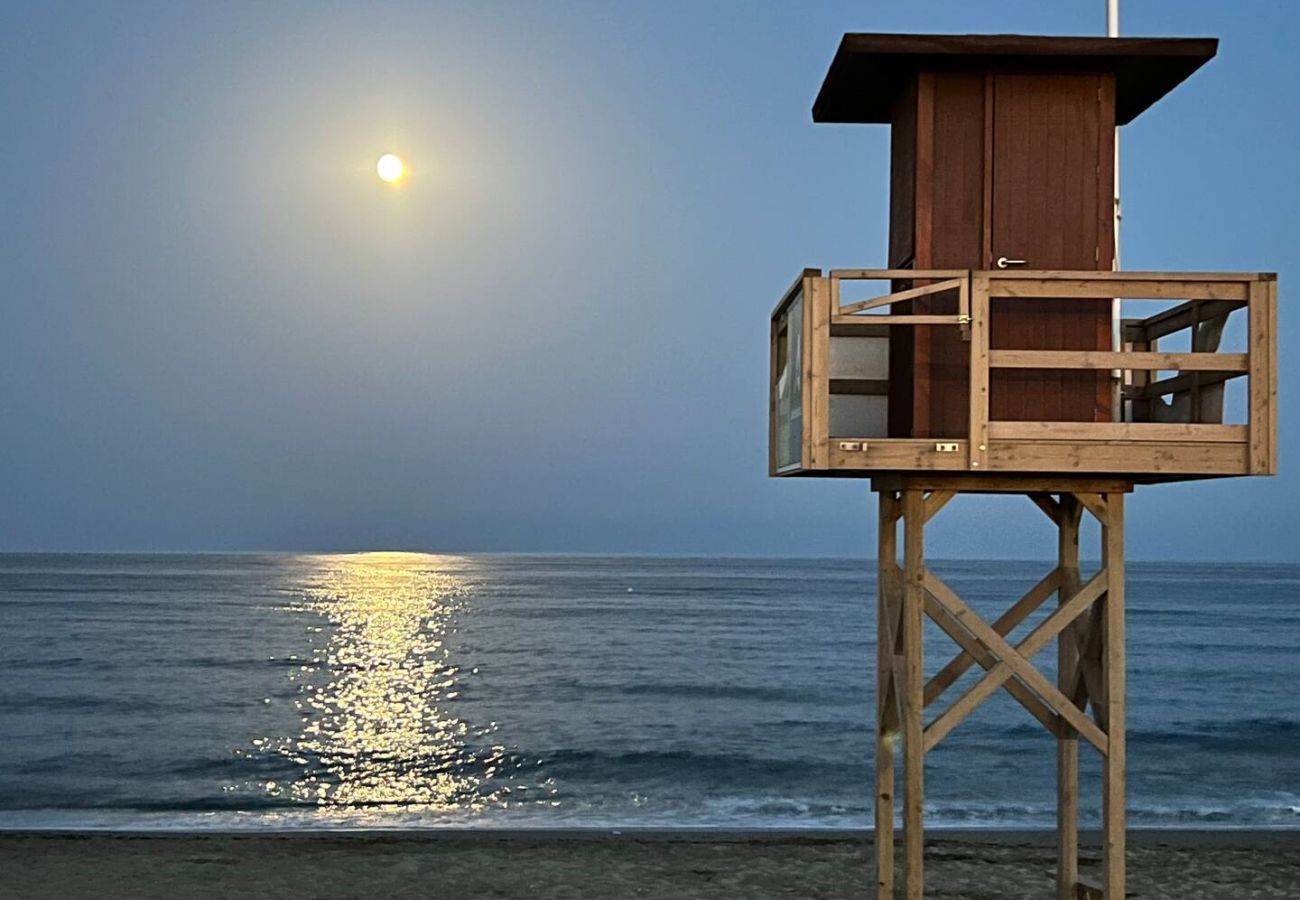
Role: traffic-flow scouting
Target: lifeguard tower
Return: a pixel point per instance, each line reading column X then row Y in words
column 992, row 360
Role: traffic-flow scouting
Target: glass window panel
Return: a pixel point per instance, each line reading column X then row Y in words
column 789, row 386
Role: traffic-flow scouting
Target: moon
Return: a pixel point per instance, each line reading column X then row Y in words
column 390, row 168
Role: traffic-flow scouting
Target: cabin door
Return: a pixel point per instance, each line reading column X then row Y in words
column 1051, row 170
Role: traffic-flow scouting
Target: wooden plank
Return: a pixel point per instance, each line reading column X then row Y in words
column 1114, row 765
column 868, row 386
column 1272, row 375
column 1118, row 431
column 1107, row 207
column 893, row 634
column 914, row 394
column 1115, row 285
column 817, row 309
column 1258, row 325
column 1088, row 685
column 886, row 556
column 1067, row 742
column 1015, row 660
column 1003, row 625
column 950, row 284
column 1149, row 461
column 1177, row 383
column 1093, row 503
column 990, row 483
column 1140, row 410
column 793, row 290
column 1110, row 275
column 947, row 232
column 963, row 307
column 891, row 321
column 891, row 509
column 886, row 454
column 895, row 274
column 975, row 650
column 1111, row 359
column 935, row 501
column 864, row 328
column 1047, row 504
column 986, row 154
column 806, row 376
column 979, row 374
column 1182, row 316
column 914, row 586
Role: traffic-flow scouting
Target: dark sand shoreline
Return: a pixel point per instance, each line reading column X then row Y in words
column 690, row 864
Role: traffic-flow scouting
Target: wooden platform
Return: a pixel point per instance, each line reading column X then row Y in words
column 1167, row 421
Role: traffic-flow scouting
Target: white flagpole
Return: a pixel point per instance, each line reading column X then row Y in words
column 1116, row 335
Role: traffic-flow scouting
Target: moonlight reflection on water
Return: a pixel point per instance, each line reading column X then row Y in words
column 376, row 728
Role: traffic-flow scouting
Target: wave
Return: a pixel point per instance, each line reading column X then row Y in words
column 1264, row 735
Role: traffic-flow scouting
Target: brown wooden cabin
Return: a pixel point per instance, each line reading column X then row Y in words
column 988, row 347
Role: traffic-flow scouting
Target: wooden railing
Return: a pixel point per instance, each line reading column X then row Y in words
column 1181, row 411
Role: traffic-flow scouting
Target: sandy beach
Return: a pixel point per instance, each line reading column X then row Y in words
column 580, row 865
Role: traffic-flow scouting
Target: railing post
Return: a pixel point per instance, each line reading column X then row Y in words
column 978, row 288
column 818, row 300
column 1262, row 385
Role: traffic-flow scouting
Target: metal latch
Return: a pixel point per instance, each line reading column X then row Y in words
column 945, row 448
column 1003, row 262
column 853, row 445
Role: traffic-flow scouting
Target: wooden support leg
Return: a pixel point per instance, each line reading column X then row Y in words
column 1067, row 742
column 1113, row 798
column 886, row 560
column 913, row 690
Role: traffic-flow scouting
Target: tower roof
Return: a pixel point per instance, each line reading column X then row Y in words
column 869, row 70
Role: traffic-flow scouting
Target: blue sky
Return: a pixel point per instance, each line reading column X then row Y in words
column 222, row 333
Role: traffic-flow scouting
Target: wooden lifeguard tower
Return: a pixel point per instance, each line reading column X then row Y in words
column 990, row 363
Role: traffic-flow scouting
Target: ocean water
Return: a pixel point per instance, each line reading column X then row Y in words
column 409, row 690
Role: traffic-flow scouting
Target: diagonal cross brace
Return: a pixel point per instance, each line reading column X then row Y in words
column 976, row 652
column 1003, row 625
column 1014, row 661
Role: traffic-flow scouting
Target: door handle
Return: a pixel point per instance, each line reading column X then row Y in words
column 1003, row 262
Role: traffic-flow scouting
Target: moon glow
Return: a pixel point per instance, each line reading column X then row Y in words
column 390, row 168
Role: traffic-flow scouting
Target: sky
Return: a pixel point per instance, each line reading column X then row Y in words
column 221, row 332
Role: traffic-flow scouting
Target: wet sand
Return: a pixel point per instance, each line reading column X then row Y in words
column 607, row 866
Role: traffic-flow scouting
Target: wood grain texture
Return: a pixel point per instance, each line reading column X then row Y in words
column 1114, row 774
column 1067, row 742
column 1048, row 199
column 914, row 586
column 886, row 562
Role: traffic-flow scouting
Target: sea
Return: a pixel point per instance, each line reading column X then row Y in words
column 410, row 690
